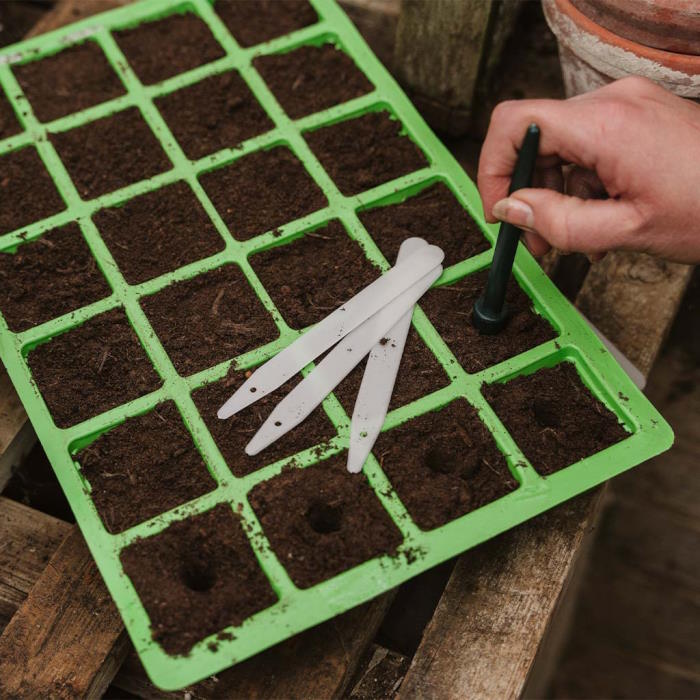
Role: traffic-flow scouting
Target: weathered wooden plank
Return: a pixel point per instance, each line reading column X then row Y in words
column 381, row 676
column 16, row 433
column 66, row 640
column 498, row 604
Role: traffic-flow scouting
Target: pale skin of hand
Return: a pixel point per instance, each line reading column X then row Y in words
column 635, row 180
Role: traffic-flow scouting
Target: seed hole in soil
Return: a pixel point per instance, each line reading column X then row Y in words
column 232, row 435
column 449, row 309
column 27, row 191
column 312, row 78
column 262, row 191
column 68, row 81
column 324, row 518
column 198, row 576
column 217, row 112
column 313, row 275
column 546, row 413
column 254, row 22
column 165, row 47
column 110, row 153
column 440, row 460
column 364, row 152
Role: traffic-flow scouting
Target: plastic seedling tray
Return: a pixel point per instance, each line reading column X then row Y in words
column 291, row 608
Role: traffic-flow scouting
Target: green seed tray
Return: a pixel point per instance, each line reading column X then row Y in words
column 296, row 609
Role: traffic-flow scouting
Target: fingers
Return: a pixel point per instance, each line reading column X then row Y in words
column 571, row 224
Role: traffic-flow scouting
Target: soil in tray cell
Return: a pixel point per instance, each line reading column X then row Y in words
column 419, row 374
column 165, row 47
column 364, row 152
column 110, row 153
column 48, row 277
column 444, row 464
column 321, row 520
column 210, row 318
column 158, row 232
column 9, row 124
column 68, row 81
column 262, row 191
column 26, row 190
column 217, row 112
column 313, row 275
column 449, row 309
column 312, row 78
column 92, row 368
column 434, row 214
column 233, row 434
column 554, row 418
column 142, row 468
column 197, row 577
column 254, row 21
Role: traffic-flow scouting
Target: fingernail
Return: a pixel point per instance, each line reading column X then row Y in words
column 514, row 212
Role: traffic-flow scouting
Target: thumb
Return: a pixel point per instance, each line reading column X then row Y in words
column 572, row 224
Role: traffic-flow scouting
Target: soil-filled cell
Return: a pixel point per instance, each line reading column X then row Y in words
column 449, row 309
column 92, row 368
column 262, row 191
column 27, row 191
column 9, row 124
column 435, row 215
column 209, row 318
column 217, row 112
column 312, row 78
column 554, row 418
column 444, row 464
column 254, row 21
column 48, row 277
column 68, row 81
column 313, row 275
column 322, row 520
column 158, row 232
column 197, row 577
column 365, row 152
column 142, row 468
column 419, row 374
column 233, row 434
column 165, row 47
column 110, row 153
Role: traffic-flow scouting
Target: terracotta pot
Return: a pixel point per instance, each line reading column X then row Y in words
column 592, row 55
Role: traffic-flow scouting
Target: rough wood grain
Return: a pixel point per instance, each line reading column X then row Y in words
column 495, row 612
column 67, row 639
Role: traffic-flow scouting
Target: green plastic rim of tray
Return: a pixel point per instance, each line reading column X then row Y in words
column 296, row 609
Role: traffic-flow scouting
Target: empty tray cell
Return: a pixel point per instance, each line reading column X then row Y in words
column 313, row 275
column 165, row 47
column 92, row 368
column 9, row 124
column 210, row 318
column 434, row 214
column 217, row 112
column 262, row 191
column 554, row 418
column 142, row 468
column 364, row 152
column 68, row 81
column 233, row 434
column 322, row 521
column 419, row 374
column 110, row 153
column 197, row 577
column 158, row 232
column 27, row 191
column 444, row 464
column 449, row 309
column 255, row 21
column 48, row 277
column 312, row 78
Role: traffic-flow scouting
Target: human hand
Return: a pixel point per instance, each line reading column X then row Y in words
column 635, row 180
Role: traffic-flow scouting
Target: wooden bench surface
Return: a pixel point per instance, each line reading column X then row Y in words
column 62, row 636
